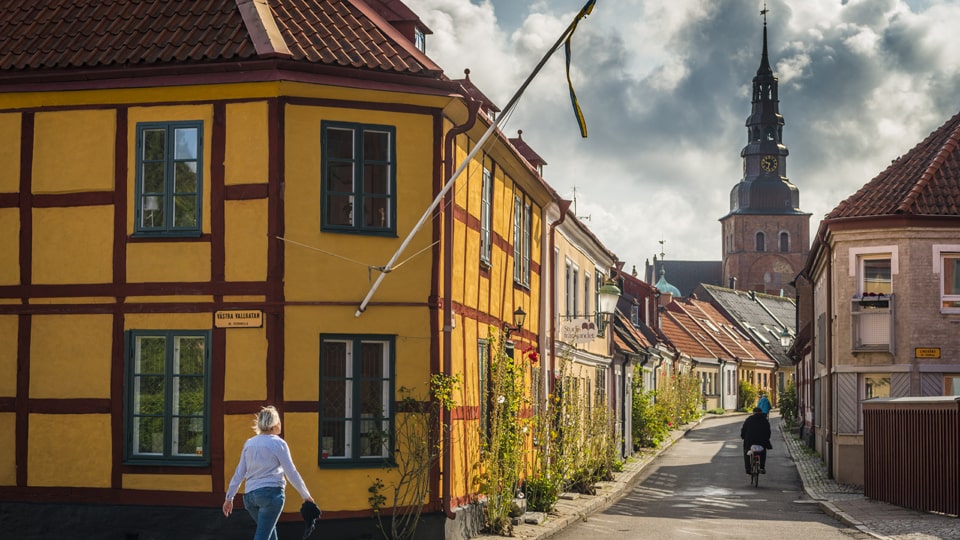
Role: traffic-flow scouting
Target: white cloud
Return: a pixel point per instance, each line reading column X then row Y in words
column 665, row 88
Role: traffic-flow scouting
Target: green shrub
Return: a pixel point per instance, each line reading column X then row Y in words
column 788, row 405
column 747, row 396
column 649, row 420
column 541, row 493
column 718, row 410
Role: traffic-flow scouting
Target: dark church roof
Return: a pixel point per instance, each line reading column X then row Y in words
column 923, row 182
column 685, row 275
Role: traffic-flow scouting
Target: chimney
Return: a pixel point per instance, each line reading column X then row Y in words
column 733, row 283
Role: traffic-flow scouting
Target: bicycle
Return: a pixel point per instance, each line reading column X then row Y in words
column 754, row 454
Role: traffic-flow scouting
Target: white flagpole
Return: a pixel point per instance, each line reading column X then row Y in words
column 446, row 187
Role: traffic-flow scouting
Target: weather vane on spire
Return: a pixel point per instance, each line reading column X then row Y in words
column 764, row 12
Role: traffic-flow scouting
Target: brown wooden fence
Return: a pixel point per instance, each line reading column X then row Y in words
column 911, row 450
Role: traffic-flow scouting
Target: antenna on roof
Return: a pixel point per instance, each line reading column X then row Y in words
column 586, row 217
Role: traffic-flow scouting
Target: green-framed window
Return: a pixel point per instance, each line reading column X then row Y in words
column 169, row 179
column 356, row 399
column 486, row 215
column 359, row 178
column 522, row 223
column 167, row 397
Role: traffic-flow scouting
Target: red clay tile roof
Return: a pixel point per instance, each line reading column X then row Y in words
column 50, row 34
column 923, row 182
column 684, row 334
column 684, row 325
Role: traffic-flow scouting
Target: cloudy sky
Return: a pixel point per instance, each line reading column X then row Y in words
column 665, row 89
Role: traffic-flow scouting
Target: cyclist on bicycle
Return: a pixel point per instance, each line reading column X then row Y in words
column 756, row 431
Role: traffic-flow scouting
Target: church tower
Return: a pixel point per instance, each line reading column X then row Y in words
column 766, row 237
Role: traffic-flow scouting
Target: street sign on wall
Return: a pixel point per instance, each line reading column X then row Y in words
column 238, row 318
column 578, row 331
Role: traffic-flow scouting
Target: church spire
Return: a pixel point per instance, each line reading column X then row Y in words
column 764, row 187
column 764, row 61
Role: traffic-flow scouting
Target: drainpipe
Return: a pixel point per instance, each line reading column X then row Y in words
column 473, row 108
column 563, row 205
column 828, row 420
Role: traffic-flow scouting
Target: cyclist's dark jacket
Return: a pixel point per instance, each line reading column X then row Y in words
column 756, row 430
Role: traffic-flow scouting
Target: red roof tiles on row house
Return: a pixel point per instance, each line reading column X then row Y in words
column 696, row 327
column 923, row 182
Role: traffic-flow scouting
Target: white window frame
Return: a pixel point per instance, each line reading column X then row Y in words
column 486, row 214
column 949, row 303
column 574, row 280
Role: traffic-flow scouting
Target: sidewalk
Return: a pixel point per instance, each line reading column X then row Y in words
column 848, row 504
column 844, row 503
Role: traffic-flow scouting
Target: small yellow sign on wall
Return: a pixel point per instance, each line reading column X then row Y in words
column 245, row 318
column 926, row 352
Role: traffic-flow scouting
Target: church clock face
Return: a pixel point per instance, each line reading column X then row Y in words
column 768, row 163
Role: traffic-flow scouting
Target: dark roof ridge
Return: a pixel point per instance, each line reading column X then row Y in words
column 948, row 147
column 745, row 292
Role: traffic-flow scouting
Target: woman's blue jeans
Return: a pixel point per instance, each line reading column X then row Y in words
column 265, row 505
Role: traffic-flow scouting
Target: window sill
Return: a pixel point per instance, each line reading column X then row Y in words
column 169, row 466
column 885, row 348
column 374, row 463
column 359, row 232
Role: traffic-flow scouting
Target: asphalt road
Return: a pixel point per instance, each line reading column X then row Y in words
column 697, row 489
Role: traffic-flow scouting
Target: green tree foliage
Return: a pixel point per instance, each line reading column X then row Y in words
column 502, row 456
column 788, row 405
column 649, row 421
column 747, row 396
column 416, row 435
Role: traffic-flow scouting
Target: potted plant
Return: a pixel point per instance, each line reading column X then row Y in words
column 875, row 300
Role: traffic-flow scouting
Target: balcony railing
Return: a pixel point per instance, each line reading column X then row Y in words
column 871, row 325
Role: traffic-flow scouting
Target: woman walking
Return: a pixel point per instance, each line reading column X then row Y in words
column 264, row 462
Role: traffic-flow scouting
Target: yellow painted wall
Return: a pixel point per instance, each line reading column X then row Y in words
column 10, row 153
column 74, row 151
column 301, row 431
column 491, row 291
column 246, row 364
column 10, row 244
column 246, row 240
column 70, row 356
column 236, row 430
column 213, row 92
column 168, row 262
column 8, row 355
column 73, row 245
column 138, row 115
column 586, row 266
column 168, row 482
column 8, row 454
column 168, row 321
column 304, row 324
column 312, row 275
column 69, row 450
column 247, row 148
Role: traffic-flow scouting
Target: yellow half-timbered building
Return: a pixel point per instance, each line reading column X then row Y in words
column 196, row 202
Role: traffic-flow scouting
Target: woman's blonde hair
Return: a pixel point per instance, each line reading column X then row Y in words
column 266, row 419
